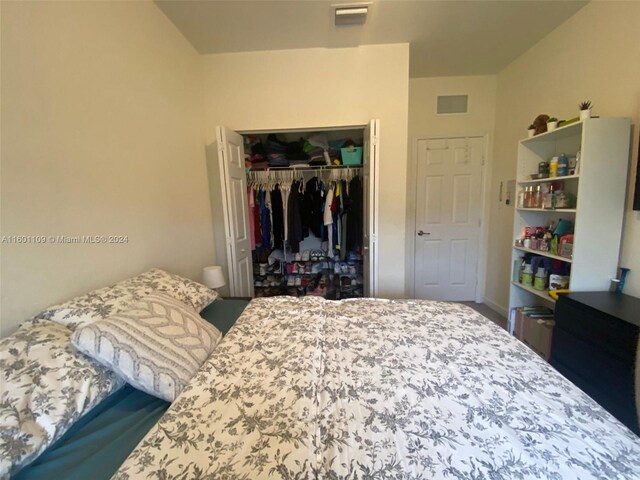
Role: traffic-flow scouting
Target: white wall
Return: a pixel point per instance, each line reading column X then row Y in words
column 102, row 134
column 423, row 122
column 594, row 55
column 317, row 88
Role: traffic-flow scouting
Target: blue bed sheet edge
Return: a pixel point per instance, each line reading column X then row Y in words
column 97, row 444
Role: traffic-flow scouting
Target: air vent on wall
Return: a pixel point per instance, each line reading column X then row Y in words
column 351, row 13
column 452, row 104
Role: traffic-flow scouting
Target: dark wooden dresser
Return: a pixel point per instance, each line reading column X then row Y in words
column 595, row 341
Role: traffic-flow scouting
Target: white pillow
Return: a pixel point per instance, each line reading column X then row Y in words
column 157, row 344
column 110, row 300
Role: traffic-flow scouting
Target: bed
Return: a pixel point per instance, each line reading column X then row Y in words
column 310, row 388
column 96, row 445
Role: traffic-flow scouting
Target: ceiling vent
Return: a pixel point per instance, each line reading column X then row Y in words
column 452, row 104
column 351, row 14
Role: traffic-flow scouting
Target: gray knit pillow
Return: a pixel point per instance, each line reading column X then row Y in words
column 157, row 344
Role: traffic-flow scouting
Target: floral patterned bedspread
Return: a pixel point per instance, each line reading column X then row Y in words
column 309, row 388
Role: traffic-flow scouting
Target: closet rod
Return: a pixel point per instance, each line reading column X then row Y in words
column 310, row 168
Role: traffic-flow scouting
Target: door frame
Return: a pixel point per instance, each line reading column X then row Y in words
column 412, row 188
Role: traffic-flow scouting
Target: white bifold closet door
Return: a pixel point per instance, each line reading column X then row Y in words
column 370, row 168
column 236, row 212
column 235, row 205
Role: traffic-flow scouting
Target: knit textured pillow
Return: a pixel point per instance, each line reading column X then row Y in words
column 157, row 344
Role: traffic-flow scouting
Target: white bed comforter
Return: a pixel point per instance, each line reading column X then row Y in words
column 380, row 389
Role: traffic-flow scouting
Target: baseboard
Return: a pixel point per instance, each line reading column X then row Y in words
column 504, row 311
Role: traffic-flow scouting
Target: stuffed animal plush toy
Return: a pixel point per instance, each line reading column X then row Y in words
column 540, row 124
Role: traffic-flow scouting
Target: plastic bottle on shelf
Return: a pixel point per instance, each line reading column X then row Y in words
column 540, row 281
column 563, row 165
column 553, row 167
column 527, row 275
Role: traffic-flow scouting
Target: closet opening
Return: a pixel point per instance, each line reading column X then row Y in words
column 298, row 207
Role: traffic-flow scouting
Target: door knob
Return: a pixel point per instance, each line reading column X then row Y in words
column 421, row 233
column 242, row 250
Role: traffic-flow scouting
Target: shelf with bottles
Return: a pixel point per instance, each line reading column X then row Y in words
column 538, row 275
column 596, row 208
column 526, row 181
column 554, row 241
column 544, row 294
column 550, row 210
column 552, row 194
column 556, row 159
column 544, row 254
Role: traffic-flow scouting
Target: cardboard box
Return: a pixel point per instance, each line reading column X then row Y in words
column 518, row 312
column 537, row 333
column 534, row 327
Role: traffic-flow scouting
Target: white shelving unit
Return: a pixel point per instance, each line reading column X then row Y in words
column 599, row 188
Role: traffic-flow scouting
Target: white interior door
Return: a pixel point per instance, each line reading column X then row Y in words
column 235, row 205
column 370, row 165
column 448, row 214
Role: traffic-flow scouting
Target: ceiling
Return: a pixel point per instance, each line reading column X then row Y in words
column 447, row 37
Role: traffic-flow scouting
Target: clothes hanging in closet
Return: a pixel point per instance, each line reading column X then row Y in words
column 265, row 220
column 328, row 220
column 294, row 218
column 278, row 218
column 345, row 208
column 354, row 219
column 313, row 206
column 283, row 215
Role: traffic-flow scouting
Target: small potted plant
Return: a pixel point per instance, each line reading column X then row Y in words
column 552, row 124
column 532, row 130
column 585, row 110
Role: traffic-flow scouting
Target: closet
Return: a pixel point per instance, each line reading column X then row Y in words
column 256, row 196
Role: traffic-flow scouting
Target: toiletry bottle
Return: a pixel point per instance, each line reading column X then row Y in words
column 543, row 168
column 548, row 197
column 540, row 282
column 563, row 165
column 553, row 167
column 527, row 275
column 537, row 198
column 528, row 190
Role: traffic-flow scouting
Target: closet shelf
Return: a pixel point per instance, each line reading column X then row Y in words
column 305, row 168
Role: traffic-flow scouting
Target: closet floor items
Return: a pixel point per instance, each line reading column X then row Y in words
column 320, row 276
